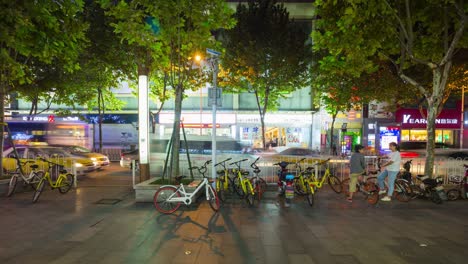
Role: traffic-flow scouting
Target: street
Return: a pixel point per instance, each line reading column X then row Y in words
column 100, row 222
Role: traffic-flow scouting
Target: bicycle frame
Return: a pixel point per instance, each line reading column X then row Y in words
column 319, row 183
column 224, row 178
column 245, row 182
column 186, row 197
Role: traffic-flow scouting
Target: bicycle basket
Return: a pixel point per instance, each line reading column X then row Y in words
column 454, row 178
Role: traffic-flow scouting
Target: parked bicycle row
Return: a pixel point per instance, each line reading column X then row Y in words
column 234, row 182
column 54, row 175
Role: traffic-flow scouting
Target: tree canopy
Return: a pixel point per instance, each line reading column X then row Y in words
column 419, row 37
column 267, row 54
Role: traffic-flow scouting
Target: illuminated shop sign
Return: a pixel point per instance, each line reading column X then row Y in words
column 408, row 119
column 412, row 118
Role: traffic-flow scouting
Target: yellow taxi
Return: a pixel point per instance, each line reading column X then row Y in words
column 79, row 165
column 101, row 159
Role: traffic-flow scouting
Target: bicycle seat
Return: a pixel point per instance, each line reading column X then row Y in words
column 257, row 170
column 179, row 178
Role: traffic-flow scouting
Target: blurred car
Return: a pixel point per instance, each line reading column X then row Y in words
column 459, row 155
column 295, row 151
column 418, row 149
column 126, row 158
column 101, row 159
column 81, row 165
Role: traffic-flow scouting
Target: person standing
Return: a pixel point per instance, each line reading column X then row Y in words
column 357, row 168
column 392, row 167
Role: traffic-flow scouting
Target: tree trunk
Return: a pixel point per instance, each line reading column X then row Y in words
column 333, row 146
column 176, row 132
column 2, row 120
column 100, row 107
column 434, row 106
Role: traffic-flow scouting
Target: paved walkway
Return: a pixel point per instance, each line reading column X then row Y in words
column 100, row 222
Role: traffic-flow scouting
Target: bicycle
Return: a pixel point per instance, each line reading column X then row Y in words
column 168, row 198
column 301, row 181
column 367, row 187
column 460, row 191
column 63, row 183
column 259, row 184
column 222, row 184
column 402, row 188
column 332, row 180
column 32, row 179
column 242, row 185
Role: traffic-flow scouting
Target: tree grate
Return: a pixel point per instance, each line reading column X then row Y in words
column 108, row 201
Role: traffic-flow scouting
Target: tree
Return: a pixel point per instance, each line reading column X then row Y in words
column 39, row 32
column 267, row 54
column 165, row 37
column 409, row 34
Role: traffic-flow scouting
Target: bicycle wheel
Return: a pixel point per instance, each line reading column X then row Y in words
column 250, row 195
column 35, row 179
column 372, row 192
column 335, row 183
column 66, row 183
column 160, row 200
column 298, row 187
column 345, row 187
column 220, row 190
column 309, row 195
column 213, row 199
column 453, row 194
column 12, row 184
column 435, row 197
column 39, row 189
column 403, row 190
column 238, row 187
column 259, row 186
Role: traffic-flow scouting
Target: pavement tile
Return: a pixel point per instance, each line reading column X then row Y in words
column 332, row 231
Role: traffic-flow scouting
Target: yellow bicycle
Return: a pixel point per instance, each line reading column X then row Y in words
column 222, row 183
column 242, row 185
column 63, row 183
column 332, row 180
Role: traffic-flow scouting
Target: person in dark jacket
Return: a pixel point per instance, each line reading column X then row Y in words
column 357, row 168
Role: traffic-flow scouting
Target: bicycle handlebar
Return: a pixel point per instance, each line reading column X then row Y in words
column 321, row 162
column 222, row 162
column 238, row 162
column 254, row 165
column 50, row 162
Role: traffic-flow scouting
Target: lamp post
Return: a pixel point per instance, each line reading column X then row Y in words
column 215, row 99
column 462, row 116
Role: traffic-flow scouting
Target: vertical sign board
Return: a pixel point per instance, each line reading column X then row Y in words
column 143, row 118
column 214, row 96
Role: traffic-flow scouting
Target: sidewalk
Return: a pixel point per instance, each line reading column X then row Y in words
column 100, row 222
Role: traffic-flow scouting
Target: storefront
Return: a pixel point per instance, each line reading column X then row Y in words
column 414, row 126
column 291, row 130
column 198, row 123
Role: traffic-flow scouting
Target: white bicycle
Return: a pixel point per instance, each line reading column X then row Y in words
column 169, row 197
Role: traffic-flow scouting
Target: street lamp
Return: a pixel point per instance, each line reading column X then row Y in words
column 214, row 99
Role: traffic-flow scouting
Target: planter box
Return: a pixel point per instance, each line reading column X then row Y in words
column 144, row 191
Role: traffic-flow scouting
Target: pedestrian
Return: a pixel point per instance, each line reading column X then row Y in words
column 392, row 167
column 357, row 168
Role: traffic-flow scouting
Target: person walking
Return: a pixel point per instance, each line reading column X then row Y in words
column 392, row 167
column 357, row 168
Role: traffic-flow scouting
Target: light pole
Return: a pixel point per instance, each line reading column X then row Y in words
column 462, row 116
column 215, row 99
